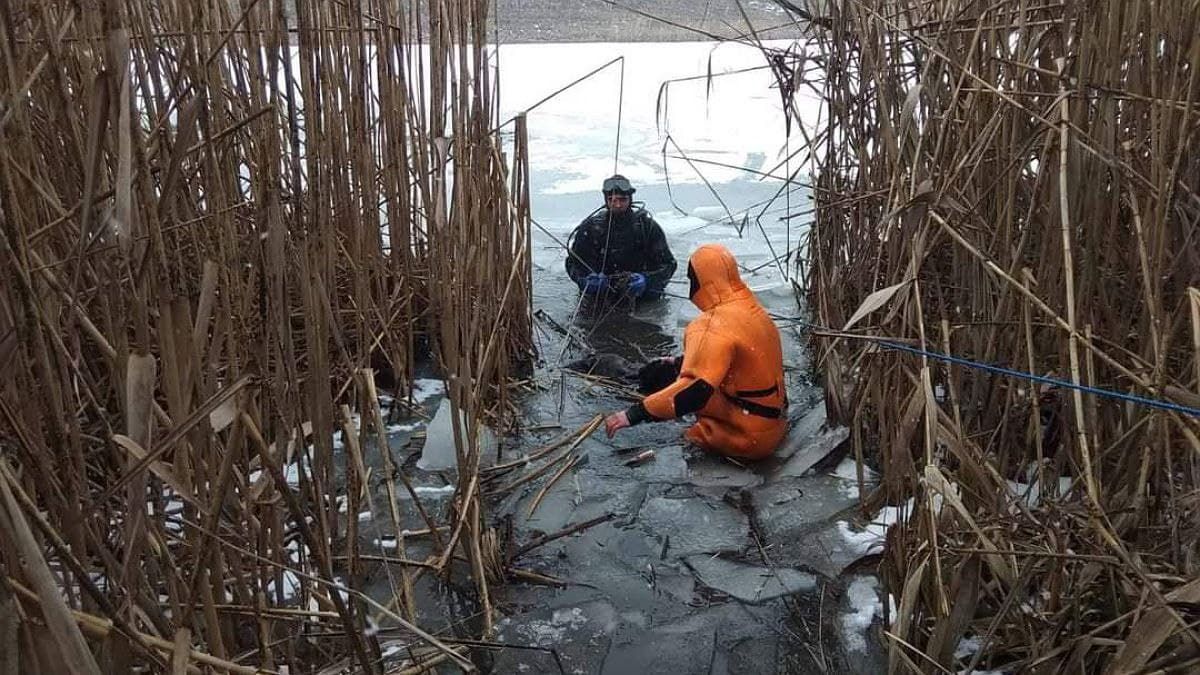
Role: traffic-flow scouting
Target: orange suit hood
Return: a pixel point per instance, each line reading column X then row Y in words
column 714, row 277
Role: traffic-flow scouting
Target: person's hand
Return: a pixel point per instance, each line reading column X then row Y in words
column 637, row 284
column 615, row 422
column 595, row 283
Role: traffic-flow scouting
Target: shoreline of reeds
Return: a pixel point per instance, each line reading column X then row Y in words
column 1016, row 184
column 199, row 283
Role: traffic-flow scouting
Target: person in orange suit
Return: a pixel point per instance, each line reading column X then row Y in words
column 731, row 374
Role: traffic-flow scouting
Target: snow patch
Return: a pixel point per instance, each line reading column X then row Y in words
column 863, row 599
column 432, row 491
column 388, row 543
column 425, row 389
column 392, row 650
column 553, row 632
column 968, row 647
column 1031, row 493
column 870, row 538
column 848, row 470
column 290, row 586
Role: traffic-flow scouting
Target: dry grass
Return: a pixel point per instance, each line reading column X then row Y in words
column 1024, row 177
column 204, row 254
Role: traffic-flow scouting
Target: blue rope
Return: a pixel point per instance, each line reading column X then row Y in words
column 999, row 370
column 1019, row 374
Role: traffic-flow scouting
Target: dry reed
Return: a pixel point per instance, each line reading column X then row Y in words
column 1017, row 182
column 216, row 219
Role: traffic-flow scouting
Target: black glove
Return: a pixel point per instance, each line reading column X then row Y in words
column 658, row 374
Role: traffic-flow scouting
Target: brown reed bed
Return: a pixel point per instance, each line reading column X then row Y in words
column 207, row 256
column 1017, row 183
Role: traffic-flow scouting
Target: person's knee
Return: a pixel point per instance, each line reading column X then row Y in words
column 730, row 441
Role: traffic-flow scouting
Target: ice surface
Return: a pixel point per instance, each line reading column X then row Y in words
column 551, row 632
column 439, row 453
column 577, row 632
column 685, row 646
column 291, row 471
column 802, row 424
column 707, row 470
column 695, row 525
column 576, row 142
column 806, row 449
column 788, row 511
column 750, row 583
column 425, row 389
column 823, row 549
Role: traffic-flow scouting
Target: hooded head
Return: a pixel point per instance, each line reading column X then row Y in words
column 714, row 277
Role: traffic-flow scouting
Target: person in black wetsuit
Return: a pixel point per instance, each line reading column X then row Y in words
column 619, row 251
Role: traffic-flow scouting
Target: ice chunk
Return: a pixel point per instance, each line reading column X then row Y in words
column 805, row 447
column 788, row 512
column 749, row 583
column 695, row 525
column 292, row 471
column 439, row 453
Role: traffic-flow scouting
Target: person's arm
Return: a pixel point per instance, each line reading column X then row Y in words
column 707, row 355
column 580, row 257
column 660, row 264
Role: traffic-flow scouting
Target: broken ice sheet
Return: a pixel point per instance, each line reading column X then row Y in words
column 439, row 451
column 750, row 583
column 696, row 525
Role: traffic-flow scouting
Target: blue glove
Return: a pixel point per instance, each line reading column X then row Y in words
column 594, row 283
column 637, row 284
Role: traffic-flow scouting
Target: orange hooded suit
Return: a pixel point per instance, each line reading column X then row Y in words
column 731, row 376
